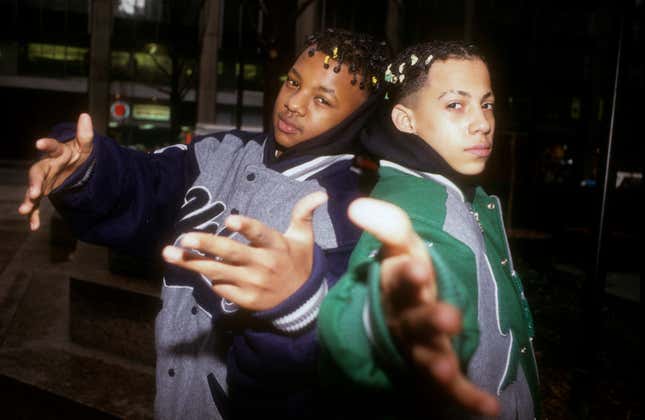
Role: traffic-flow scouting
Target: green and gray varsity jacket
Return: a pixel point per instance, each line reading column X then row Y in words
column 475, row 273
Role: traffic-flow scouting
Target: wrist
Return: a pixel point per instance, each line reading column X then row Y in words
column 299, row 311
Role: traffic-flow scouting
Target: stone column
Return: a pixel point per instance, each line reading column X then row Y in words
column 306, row 22
column 207, row 91
column 98, row 86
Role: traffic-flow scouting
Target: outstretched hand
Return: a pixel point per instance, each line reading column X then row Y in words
column 59, row 162
column 421, row 324
column 262, row 274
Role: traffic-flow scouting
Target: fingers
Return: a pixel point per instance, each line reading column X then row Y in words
column 210, row 268
column 34, row 219
column 421, row 323
column 407, row 281
column 84, row 131
column 33, row 193
column 301, row 225
column 443, row 370
column 231, row 251
column 256, row 232
column 29, row 206
column 51, row 147
column 389, row 224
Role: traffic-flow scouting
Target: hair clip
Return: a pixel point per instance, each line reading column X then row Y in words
column 428, row 60
column 401, row 78
column 413, row 59
column 401, row 67
column 326, row 65
column 374, row 80
column 311, row 52
column 387, row 96
column 389, row 76
column 335, row 53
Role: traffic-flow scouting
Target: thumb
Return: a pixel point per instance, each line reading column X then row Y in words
column 302, row 215
column 84, row 131
column 390, row 225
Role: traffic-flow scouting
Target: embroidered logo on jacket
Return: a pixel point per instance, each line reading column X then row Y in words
column 200, row 213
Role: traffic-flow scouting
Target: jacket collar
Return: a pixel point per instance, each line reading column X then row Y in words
column 426, row 175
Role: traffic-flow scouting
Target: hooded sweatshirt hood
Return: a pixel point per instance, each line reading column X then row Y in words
column 382, row 140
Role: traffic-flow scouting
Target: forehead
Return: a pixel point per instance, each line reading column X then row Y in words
column 469, row 75
column 313, row 73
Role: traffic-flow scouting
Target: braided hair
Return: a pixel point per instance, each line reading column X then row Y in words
column 361, row 53
column 409, row 71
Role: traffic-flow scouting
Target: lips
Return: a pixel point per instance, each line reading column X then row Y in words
column 286, row 127
column 480, row 150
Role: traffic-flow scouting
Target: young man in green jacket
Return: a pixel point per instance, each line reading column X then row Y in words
column 388, row 322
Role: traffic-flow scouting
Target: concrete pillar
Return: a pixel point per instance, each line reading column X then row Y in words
column 306, row 22
column 206, row 99
column 393, row 25
column 98, row 86
column 469, row 14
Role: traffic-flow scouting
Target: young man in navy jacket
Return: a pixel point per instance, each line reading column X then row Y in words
column 255, row 242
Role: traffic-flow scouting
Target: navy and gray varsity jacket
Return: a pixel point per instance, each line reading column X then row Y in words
column 215, row 360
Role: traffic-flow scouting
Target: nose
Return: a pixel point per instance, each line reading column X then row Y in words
column 481, row 121
column 295, row 104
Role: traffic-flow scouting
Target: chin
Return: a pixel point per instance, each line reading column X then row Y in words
column 472, row 170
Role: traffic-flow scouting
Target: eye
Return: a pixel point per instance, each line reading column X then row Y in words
column 321, row 100
column 490, row 106
column 292, row 83
column 455, row 105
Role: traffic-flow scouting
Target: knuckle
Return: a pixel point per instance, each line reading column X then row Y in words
column 256, row 278
column 272, row 265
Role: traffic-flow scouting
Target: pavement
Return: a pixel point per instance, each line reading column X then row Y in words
column 43, row 372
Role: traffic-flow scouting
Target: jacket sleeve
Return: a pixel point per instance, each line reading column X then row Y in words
column 278, row 349
column 123, row 198
column 357, row 348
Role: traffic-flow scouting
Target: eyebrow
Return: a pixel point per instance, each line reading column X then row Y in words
column 293, row 70
column 465, row 94
column 327, row 90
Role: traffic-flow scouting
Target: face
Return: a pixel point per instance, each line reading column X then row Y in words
column 313, row 99
column 453, row 113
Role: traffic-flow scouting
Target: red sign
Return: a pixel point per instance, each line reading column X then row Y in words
column 119, row 110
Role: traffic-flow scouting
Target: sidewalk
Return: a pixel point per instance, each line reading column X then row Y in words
column 40, row 365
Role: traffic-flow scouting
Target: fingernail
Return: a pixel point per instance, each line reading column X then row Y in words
column 171, row 253
column 33, row 225
column 233, row 222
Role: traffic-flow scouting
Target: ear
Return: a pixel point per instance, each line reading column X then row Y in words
column 403, row 119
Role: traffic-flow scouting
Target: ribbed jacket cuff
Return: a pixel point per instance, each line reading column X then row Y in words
column 301, row 309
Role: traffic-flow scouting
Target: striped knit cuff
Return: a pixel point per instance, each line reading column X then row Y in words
column 300, row 310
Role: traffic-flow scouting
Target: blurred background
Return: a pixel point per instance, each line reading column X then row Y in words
column 76, row 321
